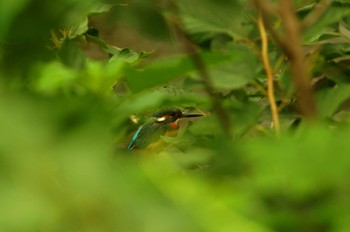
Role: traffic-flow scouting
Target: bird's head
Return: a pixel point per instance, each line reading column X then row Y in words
column 171, row 115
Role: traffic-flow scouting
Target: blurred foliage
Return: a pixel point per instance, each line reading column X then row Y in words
column 65, row 122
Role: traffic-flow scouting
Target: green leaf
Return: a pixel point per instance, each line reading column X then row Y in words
column 82, row 27
column 344, row 29
column 199, row 199
column 333, row 15
column 329, row 100
column 209, row 17
column 240, row 69
column 146, row 16
column 165, row 70
column 298, row 162
column 228, row 70
column 8, row 11
column 116, row 53
column 71, row 55
column 99, row 77
column 53, row 77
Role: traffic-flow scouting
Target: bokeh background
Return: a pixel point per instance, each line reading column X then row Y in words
column 78, row 77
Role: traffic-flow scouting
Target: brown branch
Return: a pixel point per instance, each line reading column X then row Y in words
column 295, row 53
column 191, row 50
column 291, row 44
column 269, row 74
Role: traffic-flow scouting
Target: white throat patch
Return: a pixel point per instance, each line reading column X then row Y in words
column 161, row 119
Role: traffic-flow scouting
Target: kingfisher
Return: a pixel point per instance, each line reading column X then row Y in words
column 159, row 124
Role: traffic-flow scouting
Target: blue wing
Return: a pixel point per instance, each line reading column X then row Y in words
column 147, row 134
column 133, row 140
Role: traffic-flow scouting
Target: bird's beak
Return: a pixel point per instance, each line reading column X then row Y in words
column 191, row 115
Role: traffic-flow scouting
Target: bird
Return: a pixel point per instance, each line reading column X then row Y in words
column 159, row 124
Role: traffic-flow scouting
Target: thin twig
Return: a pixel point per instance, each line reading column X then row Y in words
column 269, row 74
column 291, row 45
column 191, row 50
column 266, row 9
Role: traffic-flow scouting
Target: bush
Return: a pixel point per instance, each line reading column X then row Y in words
column 260, row 159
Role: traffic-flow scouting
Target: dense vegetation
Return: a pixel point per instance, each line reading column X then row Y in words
column 271, row 154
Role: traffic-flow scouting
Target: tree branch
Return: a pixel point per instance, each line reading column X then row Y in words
column 269, row 74
column 191, row 50
column 291, row 44
column 295, row 53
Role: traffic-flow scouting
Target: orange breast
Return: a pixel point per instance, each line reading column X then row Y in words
column 173, row 125
column 172, row 132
